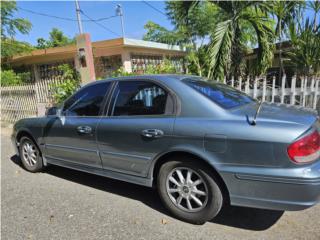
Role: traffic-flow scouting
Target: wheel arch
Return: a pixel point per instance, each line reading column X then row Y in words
column 26, row 133
column 169, row 155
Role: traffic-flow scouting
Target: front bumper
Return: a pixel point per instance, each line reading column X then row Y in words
column 15, row 144
column 278, row 189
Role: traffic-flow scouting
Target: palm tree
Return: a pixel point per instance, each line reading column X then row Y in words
column 315, row 6
column 233, row 20
column 285, row 12
column 305, row 53
column 227, row 48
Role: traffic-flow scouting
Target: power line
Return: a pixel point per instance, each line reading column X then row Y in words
column 99, row 24
column 65, row 18
column 154, row 8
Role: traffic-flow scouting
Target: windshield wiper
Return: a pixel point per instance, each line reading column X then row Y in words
column 254, row 121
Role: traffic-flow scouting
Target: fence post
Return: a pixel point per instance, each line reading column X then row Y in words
column 240, row 83
column 304, row 94
column 293, row 91
column 232, row 81
column 283, row 85
column 41, row 108
column 264, row 89
column 255, row 87
column 247, row 86
column 273, row 89
column 315, row 94
column 312, row 87
column 301, row 89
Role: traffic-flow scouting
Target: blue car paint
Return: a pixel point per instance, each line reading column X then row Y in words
column 251, row 160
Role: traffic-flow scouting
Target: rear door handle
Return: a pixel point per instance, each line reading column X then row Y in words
column 84, row 129
column 152, row 133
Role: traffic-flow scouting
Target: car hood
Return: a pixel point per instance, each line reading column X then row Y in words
column 273, row 112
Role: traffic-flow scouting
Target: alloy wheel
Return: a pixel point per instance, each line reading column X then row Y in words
column 29, row 153
column 187, row 189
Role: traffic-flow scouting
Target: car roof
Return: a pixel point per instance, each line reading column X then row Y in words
column 159, row 77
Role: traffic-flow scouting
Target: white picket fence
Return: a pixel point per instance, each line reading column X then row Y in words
column 21, row 101
column 303, row 92
column 18, row 102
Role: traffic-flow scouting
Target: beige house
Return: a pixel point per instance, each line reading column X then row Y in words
column 109, row 55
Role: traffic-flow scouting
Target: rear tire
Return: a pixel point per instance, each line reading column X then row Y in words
column 189, row 191
column 30, row 155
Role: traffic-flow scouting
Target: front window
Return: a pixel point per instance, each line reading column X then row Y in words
column 87, row 101
column 225, row 96
column 139, row 98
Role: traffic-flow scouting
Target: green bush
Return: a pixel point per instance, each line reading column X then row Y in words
column 10, row 78
column 164, row 67
column 71, row 82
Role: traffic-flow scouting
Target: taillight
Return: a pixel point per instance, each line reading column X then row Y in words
column 306, row 149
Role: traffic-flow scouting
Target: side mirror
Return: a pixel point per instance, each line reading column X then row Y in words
column 54, row 111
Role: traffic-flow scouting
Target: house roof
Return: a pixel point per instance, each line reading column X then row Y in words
column 69, row 51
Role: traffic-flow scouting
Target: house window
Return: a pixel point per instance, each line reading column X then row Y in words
column 140, row 62
column 106, row 65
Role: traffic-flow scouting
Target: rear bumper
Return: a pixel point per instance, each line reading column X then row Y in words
column 286, row 192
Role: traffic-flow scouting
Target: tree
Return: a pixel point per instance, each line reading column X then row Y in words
column 157, row 33
column 305, row 52
column 285, row 13
column 231, row 26
column 9, row 27
column 56, row 39
column 192, row 24
column 227, row 49
column 315, row 6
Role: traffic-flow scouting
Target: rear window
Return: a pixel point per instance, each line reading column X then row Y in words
column 225, row 96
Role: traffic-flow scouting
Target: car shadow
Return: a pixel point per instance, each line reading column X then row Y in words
column 238, row 217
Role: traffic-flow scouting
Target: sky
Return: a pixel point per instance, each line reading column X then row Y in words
column 136, row 15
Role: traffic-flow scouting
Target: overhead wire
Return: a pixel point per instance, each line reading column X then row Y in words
column 65, row 18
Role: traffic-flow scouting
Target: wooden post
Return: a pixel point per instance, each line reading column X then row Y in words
column 283, row 86
column 264, row 89
column 312, row 87
column 232, row 81
column 273, row 89
column 293, row 91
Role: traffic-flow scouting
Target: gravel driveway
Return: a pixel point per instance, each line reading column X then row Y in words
column 66, row 204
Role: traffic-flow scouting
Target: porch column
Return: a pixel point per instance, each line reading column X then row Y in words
column 126, row 61
column 84, row 59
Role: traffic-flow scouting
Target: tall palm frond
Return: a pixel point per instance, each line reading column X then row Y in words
column 220, row 48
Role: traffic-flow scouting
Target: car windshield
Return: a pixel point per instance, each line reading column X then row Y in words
column 225, row 96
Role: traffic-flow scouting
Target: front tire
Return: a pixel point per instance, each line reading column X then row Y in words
column 189, row 191
column 30, row 155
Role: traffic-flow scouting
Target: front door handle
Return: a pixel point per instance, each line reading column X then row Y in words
column 84, row 129
column 152, row 133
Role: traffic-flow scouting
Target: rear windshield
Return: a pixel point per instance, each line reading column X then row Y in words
column 225, row 96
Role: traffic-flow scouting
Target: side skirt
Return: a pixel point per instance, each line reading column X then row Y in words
column 102, row 172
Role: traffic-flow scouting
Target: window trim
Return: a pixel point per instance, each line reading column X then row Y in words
column 171, row 94
column 103, row 102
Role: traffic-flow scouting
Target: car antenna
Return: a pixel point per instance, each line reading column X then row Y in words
column 254, row 121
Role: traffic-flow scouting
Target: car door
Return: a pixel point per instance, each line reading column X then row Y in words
column 138, row 126
column 71, row 138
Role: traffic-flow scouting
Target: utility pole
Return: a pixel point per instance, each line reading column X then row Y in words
column 119, row 12
column 79, row 17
